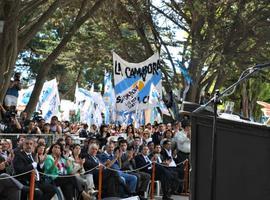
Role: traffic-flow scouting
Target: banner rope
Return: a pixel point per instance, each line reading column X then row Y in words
column 126, row 171
column 181, row 163
column 71, row 175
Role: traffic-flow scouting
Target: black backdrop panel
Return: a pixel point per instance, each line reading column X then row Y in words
column 242, row 160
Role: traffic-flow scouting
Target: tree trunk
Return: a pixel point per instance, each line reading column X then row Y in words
column 193, row 90
column 8, row 43
column 46, row 65
column 245, row 106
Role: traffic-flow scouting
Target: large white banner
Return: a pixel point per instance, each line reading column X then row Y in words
column 133, row 81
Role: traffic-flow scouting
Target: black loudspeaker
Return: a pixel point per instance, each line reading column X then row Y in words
column 242, row 160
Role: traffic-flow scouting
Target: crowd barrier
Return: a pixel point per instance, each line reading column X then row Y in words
column 49, row 138
column 100, row 167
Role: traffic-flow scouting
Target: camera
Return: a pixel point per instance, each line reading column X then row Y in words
column 37, row 116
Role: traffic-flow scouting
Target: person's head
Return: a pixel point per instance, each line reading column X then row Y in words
column 9, row 144
column 161, row 127
column 93, row 127
column 186, row 125
column 41, row 123
column 61, row 141
column 20, row 140
column 66, row 124
column 56, row 149
column 145, row 150
column 68, row 140
column 28, row 145
column 167, row 144
column 148, row 126
column 110, row 147
column 41, row 141
column 130, row 151
column 93, row 149
column 157, row 148
column 31, row 124
column 168, row 134
column 54, row 120
column 4, row 145
column 169, row 126
column 76, row 149
column 103, row 129
column 137, row 141
column 46, row 128
column 151, row 146
column 130, row 130
column 40, row 149
column 123, row 145
column 146, row 134
column 85, row 126
column 24, row 115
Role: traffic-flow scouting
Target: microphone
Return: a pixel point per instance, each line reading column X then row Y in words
column 261, row 66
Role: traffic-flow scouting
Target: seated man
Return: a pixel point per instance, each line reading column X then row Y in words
column 111, row 180
column 24, row 162
column 110, row 160
column 165, row 176
column 128, row 163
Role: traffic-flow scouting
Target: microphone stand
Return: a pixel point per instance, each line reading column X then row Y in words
column 216, row 100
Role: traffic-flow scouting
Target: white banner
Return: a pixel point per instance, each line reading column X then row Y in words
column 49, row 101
column 133, row 81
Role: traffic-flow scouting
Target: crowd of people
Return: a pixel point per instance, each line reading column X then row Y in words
column 126, row 154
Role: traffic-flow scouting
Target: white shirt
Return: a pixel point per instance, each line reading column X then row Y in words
column 34, row 164
column 148, row 161
column 172, row 163
column 182, row 141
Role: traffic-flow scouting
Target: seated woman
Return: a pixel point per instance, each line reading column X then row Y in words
column 57, row 167
column 78, row 170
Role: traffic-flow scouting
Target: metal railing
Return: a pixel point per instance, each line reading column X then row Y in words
column 49, row 138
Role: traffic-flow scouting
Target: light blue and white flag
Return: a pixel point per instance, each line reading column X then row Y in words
column 155, row 100
column 49, row 100
column 109, row 98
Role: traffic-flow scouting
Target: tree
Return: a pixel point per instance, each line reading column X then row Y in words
column 22, row 20
column 83, row 15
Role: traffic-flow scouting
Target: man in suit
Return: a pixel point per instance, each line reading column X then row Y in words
column 158, row 135
column 129, row 163
column 24, row 162
column 162, row 174
column 111, row 180
column 170, row 158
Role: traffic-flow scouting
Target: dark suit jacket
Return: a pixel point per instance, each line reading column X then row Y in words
column 157, row 137
column 90, row 163
column 127, row 164
column 141, row 162
column 22, row 163
column 165, row 155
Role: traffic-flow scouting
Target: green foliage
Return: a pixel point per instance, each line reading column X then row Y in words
column 219, row 40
